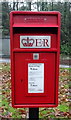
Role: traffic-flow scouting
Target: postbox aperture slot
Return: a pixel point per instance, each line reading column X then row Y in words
column 26, row 37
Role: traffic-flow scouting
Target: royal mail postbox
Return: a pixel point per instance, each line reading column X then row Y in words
column 35, row 48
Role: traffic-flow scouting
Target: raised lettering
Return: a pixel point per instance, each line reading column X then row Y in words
column 46, row 42
column 38, row 43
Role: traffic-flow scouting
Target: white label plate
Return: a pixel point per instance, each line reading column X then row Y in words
column 35, row 41
column 36, row 78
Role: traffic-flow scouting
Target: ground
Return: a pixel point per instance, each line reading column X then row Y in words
column 62, row 111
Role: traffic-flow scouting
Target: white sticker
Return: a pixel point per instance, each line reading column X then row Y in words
column 35, row 41
column 36, row 78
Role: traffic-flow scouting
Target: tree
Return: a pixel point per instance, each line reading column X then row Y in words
column 63, row 7
column 26, row 7
column 5, row 18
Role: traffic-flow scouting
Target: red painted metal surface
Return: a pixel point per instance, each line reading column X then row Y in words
column 34, row 24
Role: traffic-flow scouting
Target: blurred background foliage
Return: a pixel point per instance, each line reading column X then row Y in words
column 63, row 7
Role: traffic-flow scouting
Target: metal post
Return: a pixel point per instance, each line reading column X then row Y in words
column 33, row 113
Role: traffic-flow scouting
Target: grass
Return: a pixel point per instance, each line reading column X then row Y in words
column 63, row 108
column 66, row 86
column 5, row 67
column 61, row 111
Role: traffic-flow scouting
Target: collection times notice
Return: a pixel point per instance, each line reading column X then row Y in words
column 36, row 78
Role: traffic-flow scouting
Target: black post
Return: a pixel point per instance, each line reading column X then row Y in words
column 33, row 113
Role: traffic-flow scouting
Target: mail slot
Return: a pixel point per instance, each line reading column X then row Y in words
column 35, row 49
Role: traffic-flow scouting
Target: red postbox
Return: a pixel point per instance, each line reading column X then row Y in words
column 35, row 48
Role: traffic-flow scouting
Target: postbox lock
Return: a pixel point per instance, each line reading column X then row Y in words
column 35, row 56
